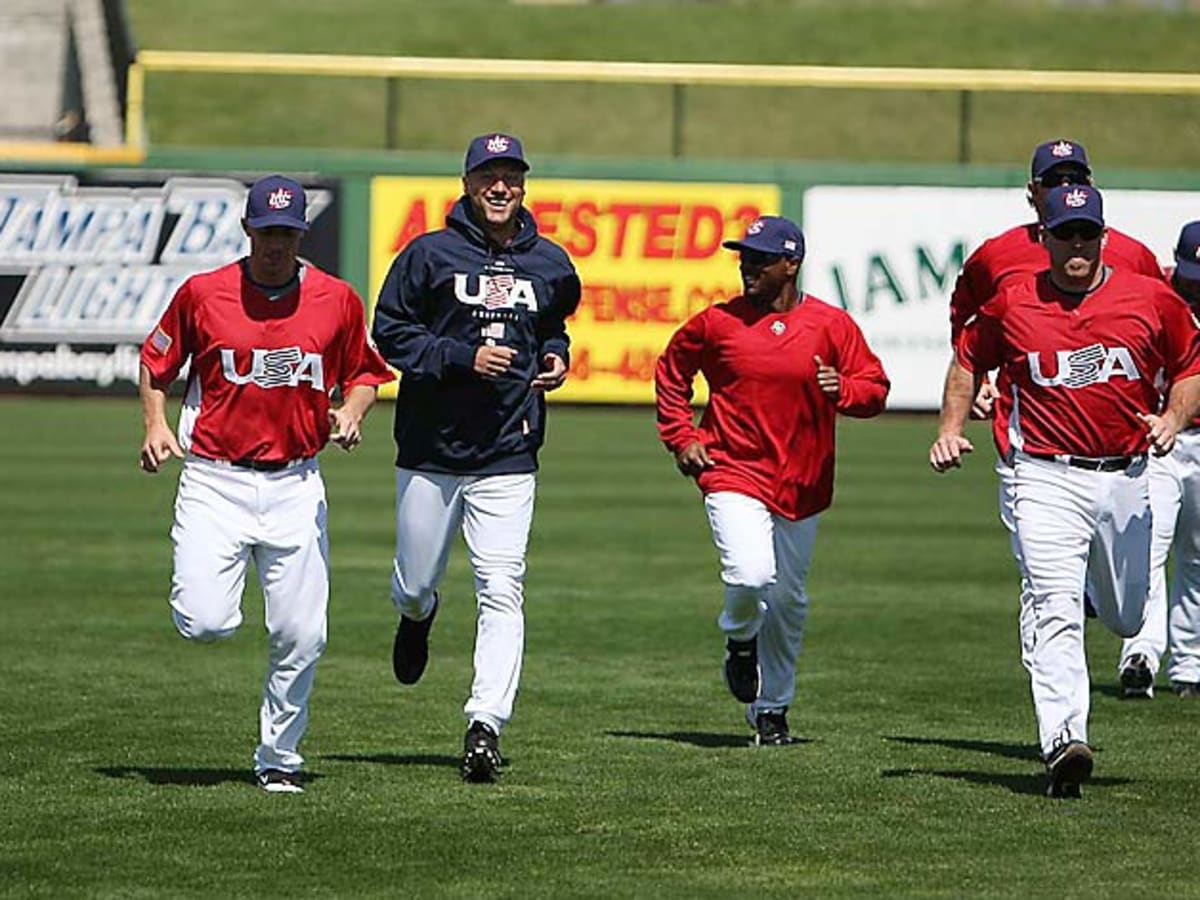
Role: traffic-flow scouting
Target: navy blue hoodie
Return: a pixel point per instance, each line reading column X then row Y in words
column 447, row 293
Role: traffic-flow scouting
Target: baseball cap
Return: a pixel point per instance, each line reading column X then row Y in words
column 276, row 200
column 1073, row 202
column 771, row 234
column 488, row 147
column 1055, row 153
column 1187, row 252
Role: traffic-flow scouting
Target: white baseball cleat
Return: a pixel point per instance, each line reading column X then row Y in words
column 276, row 781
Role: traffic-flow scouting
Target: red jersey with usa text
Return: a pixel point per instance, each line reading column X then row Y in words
column 262, row 369
column 1016, row 254
column 768, row 428
column 1082, row 369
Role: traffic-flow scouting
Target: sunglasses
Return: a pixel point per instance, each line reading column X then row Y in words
column 1062, row 177
column 758, row 258
column 1067, row 231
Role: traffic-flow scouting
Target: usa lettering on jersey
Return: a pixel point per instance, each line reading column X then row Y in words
column 1094, row 364
column 495, row 291
column 284, row 367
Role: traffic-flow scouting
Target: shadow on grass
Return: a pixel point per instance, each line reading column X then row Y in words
column 995, row 748
column 1113, row 691
column 400, row 759
column 184, row 777
column 695, row 738
column 1018, row 784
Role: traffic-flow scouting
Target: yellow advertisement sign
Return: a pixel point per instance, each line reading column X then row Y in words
column 649, row 255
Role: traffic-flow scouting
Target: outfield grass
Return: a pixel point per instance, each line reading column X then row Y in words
column 125, row 751
column 722, row 123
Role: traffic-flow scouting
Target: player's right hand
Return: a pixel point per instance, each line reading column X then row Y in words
column 493, row 361
column 1161, row 431
column 984, row 406
column 947, row 452
column 158, row 446
column 692, row 459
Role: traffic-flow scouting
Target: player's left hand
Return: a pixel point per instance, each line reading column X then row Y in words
column 552, row 377
column 828, row 379
column 345, row 429
column 1161, row 430
column 984, row 406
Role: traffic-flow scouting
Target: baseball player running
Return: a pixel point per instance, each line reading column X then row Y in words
column 1080, row 346
column 1175, row 502
column 474, row 317
column 1013, row 255
column 780, row 366
column 268, row 337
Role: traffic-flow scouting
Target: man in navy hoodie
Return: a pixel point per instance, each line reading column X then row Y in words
column 473, row 315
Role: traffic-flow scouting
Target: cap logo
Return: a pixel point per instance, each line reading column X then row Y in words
column 756, row 226
column 497, row 143
column 281, row 198
column 789, row 245
column 1075, row 198
column 1062, row 148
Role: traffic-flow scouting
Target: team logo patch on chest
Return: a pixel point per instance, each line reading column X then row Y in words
column 778, row 327
column 1094, row 364
column 282, row 367
column 499, row 291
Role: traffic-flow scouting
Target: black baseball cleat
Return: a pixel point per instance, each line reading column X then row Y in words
column 481, row 754
column 771, row 728
column 741, row 669
column 1186, row 690
column 410, row 650
column 1067, row 769
column 277, row 781
column 1137, row 678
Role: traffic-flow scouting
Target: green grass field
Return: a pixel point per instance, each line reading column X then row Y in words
column 580, row 120
column 125, row 751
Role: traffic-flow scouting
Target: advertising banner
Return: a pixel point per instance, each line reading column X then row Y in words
column 89, row 261
column 890, row 256
column 649, row 255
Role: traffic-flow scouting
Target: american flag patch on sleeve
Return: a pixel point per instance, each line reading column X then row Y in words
column 160, row 340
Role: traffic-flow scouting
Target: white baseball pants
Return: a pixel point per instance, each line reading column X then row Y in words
column 1076, row 525
column 1175, row 501
column 764, row 564
column 1006, row 499
column 1168, row 487
column 495, row 513
column 224, row 516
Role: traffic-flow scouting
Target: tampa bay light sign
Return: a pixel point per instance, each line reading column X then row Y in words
column 87, row 269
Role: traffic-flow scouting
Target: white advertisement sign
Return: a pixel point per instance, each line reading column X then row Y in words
column 890, row 255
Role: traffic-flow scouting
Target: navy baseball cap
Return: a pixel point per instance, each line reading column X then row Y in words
column 488, row 147
column 1056, row 153
column 1071, row 203
column 772, row 234
column 276, row 200
column 1187, row 252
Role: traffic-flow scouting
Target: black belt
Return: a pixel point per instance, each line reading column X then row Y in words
column 1093, row 463
column 257, row 465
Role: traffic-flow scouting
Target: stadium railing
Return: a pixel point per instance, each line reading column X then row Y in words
column 679, row 76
